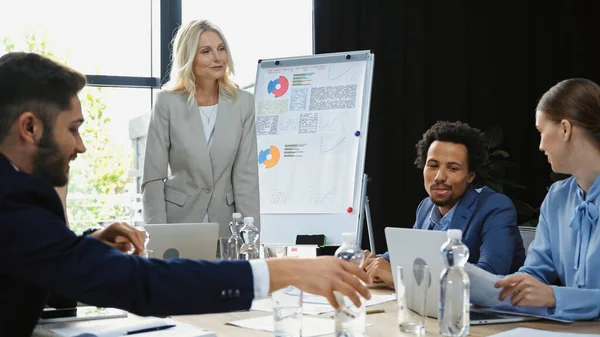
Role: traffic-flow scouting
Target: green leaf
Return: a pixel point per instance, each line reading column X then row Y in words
column 499, row 153
column 494, row 137
column 495, row 186
column 526, row 209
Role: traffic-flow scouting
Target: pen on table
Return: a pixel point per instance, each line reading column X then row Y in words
column 157, row 328
column 368, row 312
column 375, row 311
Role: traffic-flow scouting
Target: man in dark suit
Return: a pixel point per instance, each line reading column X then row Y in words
column 40, row 115
column 449, row 154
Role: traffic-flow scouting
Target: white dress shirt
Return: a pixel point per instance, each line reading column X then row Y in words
column 261, row 277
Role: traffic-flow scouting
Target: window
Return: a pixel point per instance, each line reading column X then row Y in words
column 139, row 152
column 252, row 30
column 102, row 186
column 122, row 43
column 108, row 37
column 113, row 39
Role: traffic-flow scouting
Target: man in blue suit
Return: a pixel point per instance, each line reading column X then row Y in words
column 449, row 154
column 40, row 115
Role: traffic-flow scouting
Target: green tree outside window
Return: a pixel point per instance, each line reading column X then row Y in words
column 98, row 177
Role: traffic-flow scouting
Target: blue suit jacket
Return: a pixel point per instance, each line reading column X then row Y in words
column 488, row 221
column 39, row 254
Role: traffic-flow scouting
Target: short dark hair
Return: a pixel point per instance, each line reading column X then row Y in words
column 576, row 100
column 458, row 133
column 31, row 82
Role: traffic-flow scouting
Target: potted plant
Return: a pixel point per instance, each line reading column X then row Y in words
column 493, row 175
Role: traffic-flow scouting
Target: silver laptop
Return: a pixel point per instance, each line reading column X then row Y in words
column 410, row 246
column 196, row 241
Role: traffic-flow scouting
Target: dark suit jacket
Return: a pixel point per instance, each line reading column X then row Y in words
column 488, row 221
column 40, row 255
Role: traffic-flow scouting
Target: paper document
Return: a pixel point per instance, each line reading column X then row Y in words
column 308, row 122
column 108, row 328
column 316, row 305
column 519, row 332
column 311, row 326
column 484, row 293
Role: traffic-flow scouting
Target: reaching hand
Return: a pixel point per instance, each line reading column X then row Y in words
column 381, row 269
column 121, row 236
column 526, row 290
column 320, row 276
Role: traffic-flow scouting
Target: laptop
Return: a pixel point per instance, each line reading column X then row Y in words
column 418, row 246
column 196, row 241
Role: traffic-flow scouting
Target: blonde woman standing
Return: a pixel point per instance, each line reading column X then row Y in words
column 203, row 128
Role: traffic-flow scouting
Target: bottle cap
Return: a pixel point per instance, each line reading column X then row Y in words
column 249, row 219
column 455, row 234
column 349, row 238
column 237, row 215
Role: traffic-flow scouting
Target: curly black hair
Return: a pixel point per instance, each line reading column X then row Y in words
column 454, row 132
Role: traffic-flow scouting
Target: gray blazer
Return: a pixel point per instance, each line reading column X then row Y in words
column 220, row 182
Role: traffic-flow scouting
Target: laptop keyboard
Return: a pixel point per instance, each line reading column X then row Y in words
column 480, row 316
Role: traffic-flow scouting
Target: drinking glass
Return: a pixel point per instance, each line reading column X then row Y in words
column 287, row 312
column 411, row 284
column 224, row 253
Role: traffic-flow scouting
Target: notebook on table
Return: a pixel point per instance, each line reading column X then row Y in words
column 82, row 313
column 147, row 326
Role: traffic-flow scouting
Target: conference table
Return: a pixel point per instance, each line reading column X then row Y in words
column 378, row 325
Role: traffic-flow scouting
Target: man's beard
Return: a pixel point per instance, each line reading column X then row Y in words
column 447, row 200
column 441, row 203
column 49, row 163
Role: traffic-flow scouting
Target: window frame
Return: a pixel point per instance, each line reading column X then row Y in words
column 168, row 20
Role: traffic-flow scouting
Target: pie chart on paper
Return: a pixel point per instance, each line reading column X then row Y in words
column 269, row 157
column 278, row 87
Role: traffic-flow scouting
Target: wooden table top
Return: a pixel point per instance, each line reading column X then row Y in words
column 380, row 324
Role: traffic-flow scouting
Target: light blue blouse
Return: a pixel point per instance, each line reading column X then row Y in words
column 567, row 247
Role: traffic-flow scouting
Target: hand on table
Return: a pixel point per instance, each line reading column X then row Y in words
column 122, row 236
column 526, row 290
column 381, row 269
column 369, row 258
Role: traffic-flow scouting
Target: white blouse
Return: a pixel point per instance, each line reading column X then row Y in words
column 209, row 117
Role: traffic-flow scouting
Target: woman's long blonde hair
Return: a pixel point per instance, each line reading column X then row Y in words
column 185, row 46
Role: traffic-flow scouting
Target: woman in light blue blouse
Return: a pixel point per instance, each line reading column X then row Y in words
column 567, row 240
